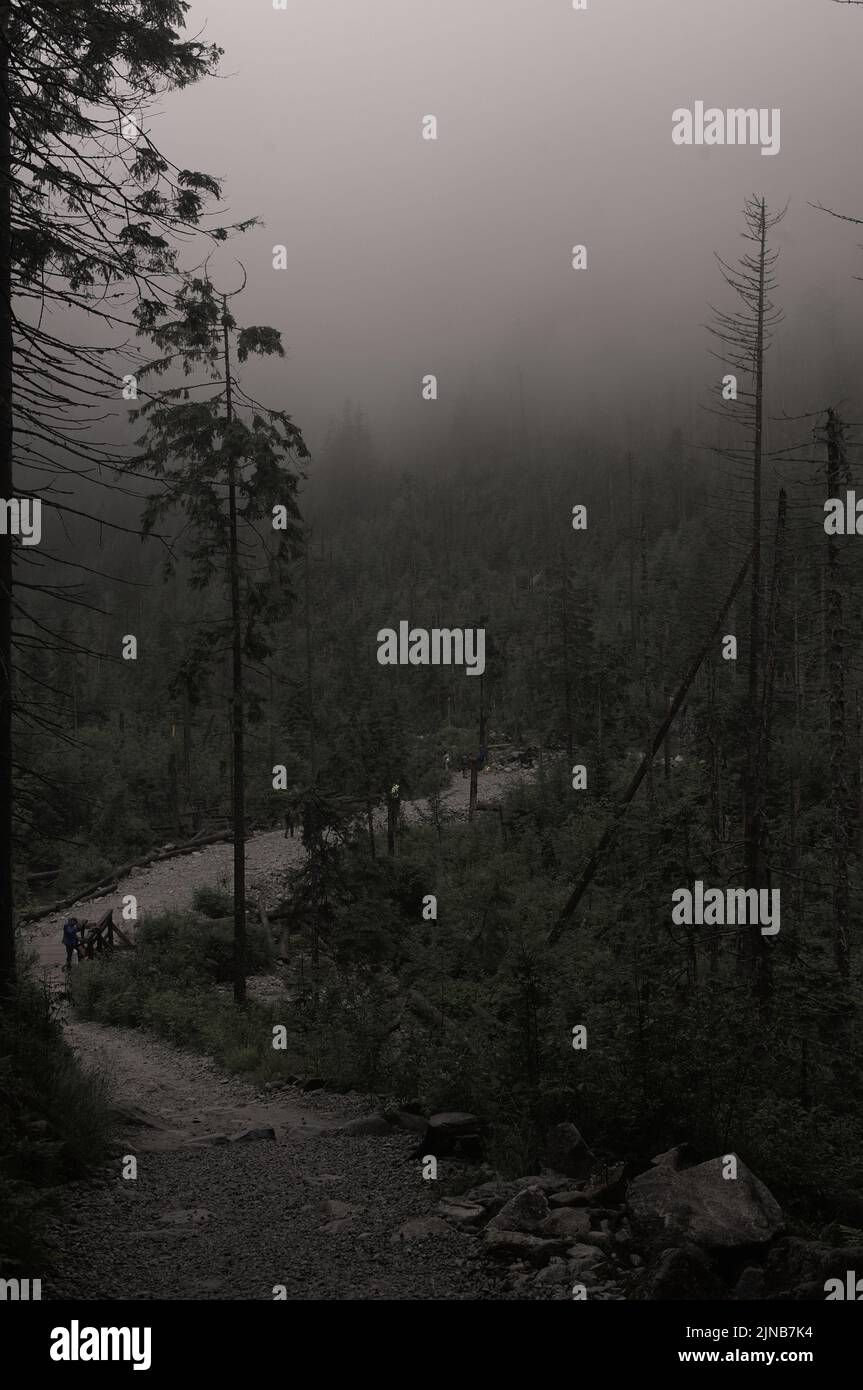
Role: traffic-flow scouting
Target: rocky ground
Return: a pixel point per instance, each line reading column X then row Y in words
column 212, row 1214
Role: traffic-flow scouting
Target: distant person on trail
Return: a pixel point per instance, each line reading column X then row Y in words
column 464, row 764
column 289, row 824
column 446, row 762
column 70, row 940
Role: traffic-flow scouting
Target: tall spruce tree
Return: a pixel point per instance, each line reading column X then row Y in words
column 92, row 216
column 229, row 464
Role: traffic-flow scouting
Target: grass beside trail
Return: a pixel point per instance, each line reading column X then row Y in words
column 175, row 981
column 55, row 1122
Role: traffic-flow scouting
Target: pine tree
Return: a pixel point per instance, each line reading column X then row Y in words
column 230, row 465
column 91, row 216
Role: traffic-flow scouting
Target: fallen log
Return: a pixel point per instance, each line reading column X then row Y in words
column 106, row 884
column 433, row 1017
column 659, row 738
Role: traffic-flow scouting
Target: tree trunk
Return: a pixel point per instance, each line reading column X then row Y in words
column 752, row 791
column 174, row 791
column 310, row 694
column 837, row 476
column 759, row 949
column 656, row 743
column 633, row 611
column 858, row 710
column 187, row 747
column 796, row 785
column 237, row 720
column 567, row 675
column 7, row 902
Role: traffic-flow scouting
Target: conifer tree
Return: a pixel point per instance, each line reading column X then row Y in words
column 229, row 464
column 92, row 217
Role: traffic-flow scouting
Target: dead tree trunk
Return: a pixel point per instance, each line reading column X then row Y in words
column 758, row 950
column 567, row 674
column 238, row 797
column 752, row 791
column 837, row 476
column 633, row 609
column 392, row 823
column 796, row 784
column 656, row 743
column 7, row 903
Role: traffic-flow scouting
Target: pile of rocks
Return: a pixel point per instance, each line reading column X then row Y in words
column 670, row 1228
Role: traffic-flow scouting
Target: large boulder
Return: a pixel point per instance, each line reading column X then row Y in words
column 548, row 1183
column 682, row 1273
column 519, row 1245
column 453, row 1134
column 750, row 1286
column 573, row 1197
column 460, row 1213
column 586, row 1263
column 678, row 1157
column 699, row 1206
column 566, row 1152
column 407, row 1120
column 555, row 1272
column 249, row 1136
column 364, row 1125
column 566, row 1221
column 524, row 1212
column 490, row 1195
column 799, row 1268
column 609, row 1189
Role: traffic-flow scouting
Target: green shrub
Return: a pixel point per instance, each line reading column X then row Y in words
column 55, row 1121
column 212, row 902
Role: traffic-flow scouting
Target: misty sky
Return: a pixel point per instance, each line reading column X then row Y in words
column 408, row 257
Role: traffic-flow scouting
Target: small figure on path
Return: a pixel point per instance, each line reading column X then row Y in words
column 70, row 940
column 289, row 824
column 464, row 764
column 446, row 762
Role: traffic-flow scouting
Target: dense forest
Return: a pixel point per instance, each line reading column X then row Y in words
column 673, row 676
column 589, row 636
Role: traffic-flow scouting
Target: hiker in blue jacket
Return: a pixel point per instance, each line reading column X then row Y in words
column 70, row 940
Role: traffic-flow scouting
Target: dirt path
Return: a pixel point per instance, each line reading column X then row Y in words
column 269, row 858
column 213, row 1215
column 210, row 1215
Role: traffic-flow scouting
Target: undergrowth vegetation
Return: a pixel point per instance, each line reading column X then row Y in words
column 55, row 1121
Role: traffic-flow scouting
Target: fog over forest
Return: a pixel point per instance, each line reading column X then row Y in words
column 554, row 128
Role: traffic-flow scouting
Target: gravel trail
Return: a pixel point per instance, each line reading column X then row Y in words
column 213, row 1216
column 311, row 1210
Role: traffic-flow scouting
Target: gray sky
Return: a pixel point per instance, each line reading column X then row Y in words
column 408, row 256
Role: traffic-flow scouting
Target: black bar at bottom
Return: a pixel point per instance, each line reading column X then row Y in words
column 243, row 1338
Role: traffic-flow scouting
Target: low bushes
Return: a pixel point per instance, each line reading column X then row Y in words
column 55, row 1121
